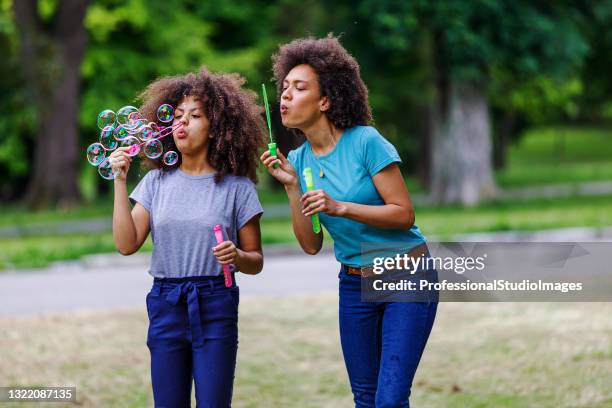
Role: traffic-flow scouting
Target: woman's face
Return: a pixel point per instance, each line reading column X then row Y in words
column 193, row 136
column 301, row 102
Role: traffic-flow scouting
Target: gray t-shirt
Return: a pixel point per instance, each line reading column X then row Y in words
column 183, row 211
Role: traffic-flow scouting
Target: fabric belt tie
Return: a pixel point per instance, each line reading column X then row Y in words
column 190, row 290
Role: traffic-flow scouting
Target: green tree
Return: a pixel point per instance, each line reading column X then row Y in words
column 468, row 41
column 136, row 41
column 52, row 41
column 17, row 119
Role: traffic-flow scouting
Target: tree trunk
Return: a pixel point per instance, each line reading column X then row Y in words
column 51, row 58
column 461, row 146
column 503, row 132
column 424, row 165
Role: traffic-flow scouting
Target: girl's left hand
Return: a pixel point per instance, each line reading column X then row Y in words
column 317, row 201
column 226, row 253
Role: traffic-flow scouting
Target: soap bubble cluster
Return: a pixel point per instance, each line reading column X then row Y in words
column 128, row 128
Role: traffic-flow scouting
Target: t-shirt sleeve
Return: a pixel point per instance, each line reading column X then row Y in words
column 378, row 152
column 247, row 204
column 293, row 159
column 144, row 191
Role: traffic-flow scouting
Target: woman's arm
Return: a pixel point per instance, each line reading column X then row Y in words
column 310, row 242
column 248, row 256
column 396, row 213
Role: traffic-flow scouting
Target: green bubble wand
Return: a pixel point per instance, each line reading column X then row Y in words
column 316, row 224
column 272, row 144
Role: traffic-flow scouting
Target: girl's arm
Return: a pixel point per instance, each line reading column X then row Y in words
column 130, row 229
column 248, row 256
column 396, row 213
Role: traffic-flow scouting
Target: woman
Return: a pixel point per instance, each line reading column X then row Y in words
column 361, row 198
column 193, row 333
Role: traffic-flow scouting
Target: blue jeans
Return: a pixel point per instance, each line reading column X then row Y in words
column 382, row 343
column 193, row 336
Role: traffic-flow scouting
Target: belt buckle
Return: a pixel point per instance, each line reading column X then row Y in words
column 366, row 271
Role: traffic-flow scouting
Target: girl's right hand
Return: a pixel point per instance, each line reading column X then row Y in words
column 120, row 162
column 284, row 173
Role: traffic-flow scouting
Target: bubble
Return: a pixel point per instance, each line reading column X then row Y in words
column 106, row 171
column 147, row 132
column 121, row 133
column 170, row 158
column 165, row 113
column 107, row 138
column 134, row 116
column 135, row 123
column 153, row 149
column 133, row 143
column 134, row 128
column 106, row 118
column 95, row 153
column 123, row 114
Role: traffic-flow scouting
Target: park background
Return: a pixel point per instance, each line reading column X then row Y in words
column 500, row 110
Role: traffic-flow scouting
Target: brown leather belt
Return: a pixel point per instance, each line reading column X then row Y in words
column 368, row 271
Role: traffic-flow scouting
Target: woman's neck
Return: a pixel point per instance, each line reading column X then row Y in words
column 323, row 136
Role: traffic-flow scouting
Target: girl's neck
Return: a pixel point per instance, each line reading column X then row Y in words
column 196, row 165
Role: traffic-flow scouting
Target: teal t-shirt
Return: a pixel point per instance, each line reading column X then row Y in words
column 348, row 169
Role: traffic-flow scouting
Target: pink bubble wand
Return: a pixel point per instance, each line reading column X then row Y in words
column 162, row 133
column 226, row 270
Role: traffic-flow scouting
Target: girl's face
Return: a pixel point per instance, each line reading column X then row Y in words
column 193, row 136
column 301, row 102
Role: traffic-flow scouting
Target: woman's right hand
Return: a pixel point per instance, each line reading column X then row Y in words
column 284, row 173
column 120, row 162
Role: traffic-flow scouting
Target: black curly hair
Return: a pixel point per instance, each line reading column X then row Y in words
column 338, row 75
column 236, row 121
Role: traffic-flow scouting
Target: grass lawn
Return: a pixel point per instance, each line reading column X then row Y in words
column 442, row 222
column 552, row 155
column 533, row 355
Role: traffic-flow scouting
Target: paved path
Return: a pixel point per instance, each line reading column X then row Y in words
column 116, row 282
column 108, row 281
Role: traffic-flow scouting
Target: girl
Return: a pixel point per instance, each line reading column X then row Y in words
column 362, row 198
column 193, row 316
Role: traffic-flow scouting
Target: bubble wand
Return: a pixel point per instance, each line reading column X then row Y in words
column 226, row 270
column 316, row 224
column 135, row 148
column 272, row 144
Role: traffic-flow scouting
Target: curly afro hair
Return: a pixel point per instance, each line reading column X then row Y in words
column 338, row 74
column 236, row 121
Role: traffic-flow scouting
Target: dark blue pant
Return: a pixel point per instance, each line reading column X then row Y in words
column 193, row 336
column 382, row 343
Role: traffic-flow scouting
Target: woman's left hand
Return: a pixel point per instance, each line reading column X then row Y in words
column 317, row 201
column 226, row 252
